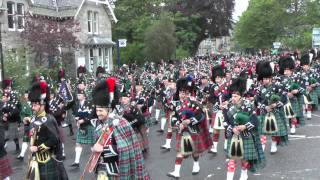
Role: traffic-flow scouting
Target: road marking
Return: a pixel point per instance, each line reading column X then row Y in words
column 312, row 125
column 316, row 115
column 297, row 136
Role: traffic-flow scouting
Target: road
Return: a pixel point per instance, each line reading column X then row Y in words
column 297, row 161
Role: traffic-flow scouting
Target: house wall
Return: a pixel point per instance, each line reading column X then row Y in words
column 104, row 29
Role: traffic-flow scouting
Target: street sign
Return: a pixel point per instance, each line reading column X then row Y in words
column 316, row 37
column 276, row 45
column 122, row 42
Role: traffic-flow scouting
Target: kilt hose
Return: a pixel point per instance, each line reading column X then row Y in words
column 86, row 137
column 5, row 168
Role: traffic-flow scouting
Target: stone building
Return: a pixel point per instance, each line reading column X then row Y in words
column 95, row 17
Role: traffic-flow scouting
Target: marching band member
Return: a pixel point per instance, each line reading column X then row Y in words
column 83, row 114
column 242, row 132
column 45, row 144
column 25, row 114
column 192, row 137
column 121, row 156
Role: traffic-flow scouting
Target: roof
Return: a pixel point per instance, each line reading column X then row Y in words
column 60, row 4
column 97, row 40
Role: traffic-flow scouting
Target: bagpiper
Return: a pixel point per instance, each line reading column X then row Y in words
column 270, row 99
column 83, row 113
column 218, row 97
column 117, row 146
column 192, row 136
column 25, row 113
column 242, row 132
column 45, row 145
column 11, row 113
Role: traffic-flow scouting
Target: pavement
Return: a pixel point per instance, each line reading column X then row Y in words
column 297, row 161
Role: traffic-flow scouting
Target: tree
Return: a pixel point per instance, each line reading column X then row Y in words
column 46, row 37
column 160, row 42
column 287, row 21
column 211, row 18
column 260, row 25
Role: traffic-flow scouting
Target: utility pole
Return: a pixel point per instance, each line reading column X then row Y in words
column 1, row 54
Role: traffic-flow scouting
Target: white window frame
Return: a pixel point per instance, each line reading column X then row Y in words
column 95, row 22
column 20, row 16
column 106, row 58
column 101, row 55
column 90, row 22
column 91, row 59
column 13, row 15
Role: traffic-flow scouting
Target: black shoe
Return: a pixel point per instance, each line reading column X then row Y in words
column 155, row 122
column 75, row 165
column 20, row 158
column 160, row 131
column 63, row 157
column 17, row 151
column 71, row 133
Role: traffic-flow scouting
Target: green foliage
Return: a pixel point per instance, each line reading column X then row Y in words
column 160, row 41
column 15, row 69
column 181, row 53
column 289, row 22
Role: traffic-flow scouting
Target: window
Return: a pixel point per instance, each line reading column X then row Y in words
column 95, row 22
column 106, row 58
column 10, row 6
column 90, row 21
column 20, row 16
column 100, row 62
column 91, row 59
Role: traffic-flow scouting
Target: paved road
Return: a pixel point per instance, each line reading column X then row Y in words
column 297, row 161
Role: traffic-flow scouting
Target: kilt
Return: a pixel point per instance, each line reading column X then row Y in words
column 199, row 143
column 49, row 170
column 281, row 124
column 250, row 152
column 314, row 97
column 5, row 168
column 12, row 132
column 88, row 137
column 142, row 137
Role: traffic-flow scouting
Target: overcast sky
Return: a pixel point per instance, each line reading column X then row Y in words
column 240, row 7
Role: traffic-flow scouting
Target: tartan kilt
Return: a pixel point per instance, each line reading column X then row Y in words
column 199, row 145
column 147, row 117
column 314, row 97
column 142, row 137
column 250, row 152
column 318, row 91
column 12, row 132
column 260, row 127
column 281, row 124
column 5, row 167
column 296, row 107
column 49, row 170
column 87, row 138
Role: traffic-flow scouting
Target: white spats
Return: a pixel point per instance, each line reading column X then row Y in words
column 244, row 175
column 230, row 175
column 78, row 154
column 24, row 148
column 167, row 145
column 176, row 172
column 274, row 148
column 196, row 167
column 163, row 123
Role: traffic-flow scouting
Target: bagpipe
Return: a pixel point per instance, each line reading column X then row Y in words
column 104, row 139
column 54, row 104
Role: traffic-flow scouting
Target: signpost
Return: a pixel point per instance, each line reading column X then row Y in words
column 120, row 44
